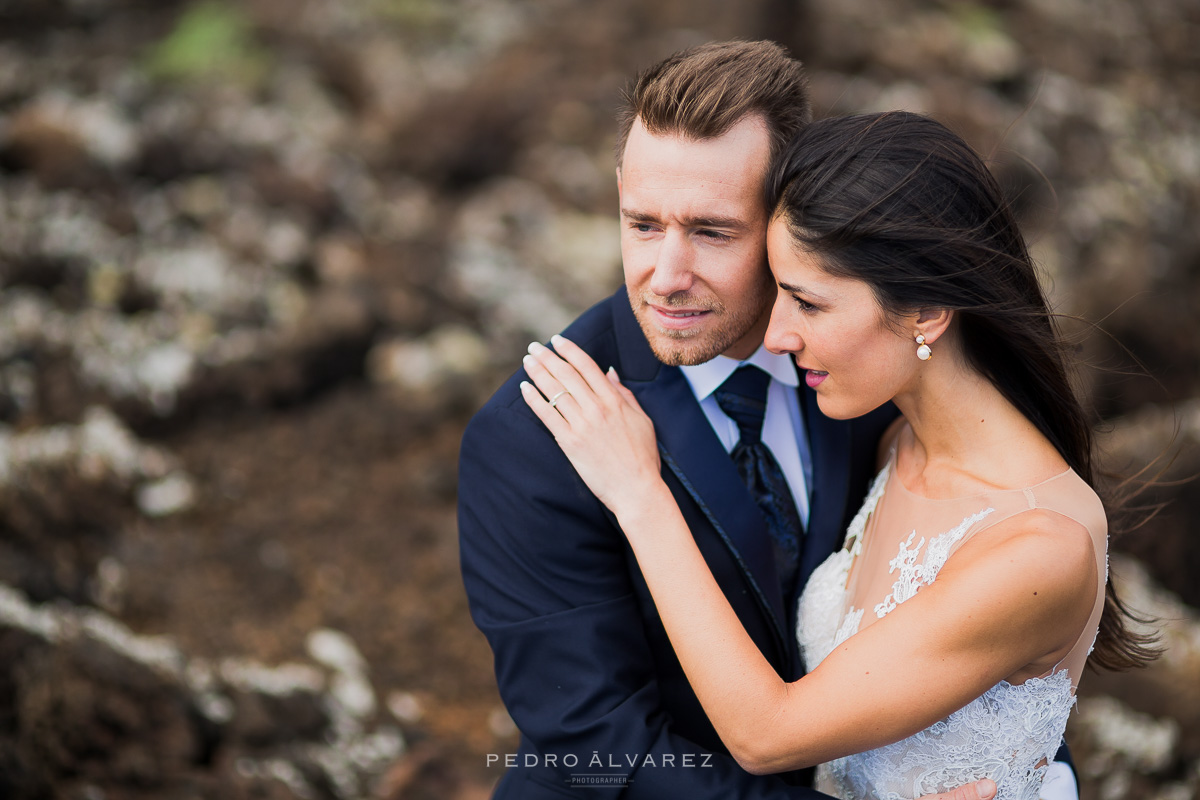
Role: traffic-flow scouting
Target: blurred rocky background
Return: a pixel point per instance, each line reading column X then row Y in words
column 260, row 260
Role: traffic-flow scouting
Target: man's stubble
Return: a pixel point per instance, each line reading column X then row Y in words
column 689, row 348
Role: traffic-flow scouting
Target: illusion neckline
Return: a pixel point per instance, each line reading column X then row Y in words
column 894, row 459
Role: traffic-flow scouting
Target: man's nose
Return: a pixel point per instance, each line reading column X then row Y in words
column 673, row 267
column 780, row 336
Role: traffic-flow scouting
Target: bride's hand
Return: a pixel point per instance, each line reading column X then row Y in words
column 596, row 421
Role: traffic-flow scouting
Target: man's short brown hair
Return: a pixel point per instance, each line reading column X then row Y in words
column 702, row 92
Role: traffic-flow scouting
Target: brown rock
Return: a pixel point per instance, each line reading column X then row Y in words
column 45, row 146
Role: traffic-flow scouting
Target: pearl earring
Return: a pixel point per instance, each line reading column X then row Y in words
column 923, row 351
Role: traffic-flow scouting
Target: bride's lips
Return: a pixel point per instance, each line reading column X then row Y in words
column 814, row 377
column 677, row 318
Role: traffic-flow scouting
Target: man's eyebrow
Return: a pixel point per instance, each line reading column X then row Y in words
column 732, row 223
column 729, row 223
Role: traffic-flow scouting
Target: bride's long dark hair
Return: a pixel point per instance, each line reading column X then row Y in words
column 899, row 201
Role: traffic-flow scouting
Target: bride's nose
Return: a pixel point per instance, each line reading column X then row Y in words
column 781, row 336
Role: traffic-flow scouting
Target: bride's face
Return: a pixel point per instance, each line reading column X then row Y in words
column 843, row 344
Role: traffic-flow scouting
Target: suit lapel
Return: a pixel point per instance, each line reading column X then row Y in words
column 829, row 441
column 692, row 451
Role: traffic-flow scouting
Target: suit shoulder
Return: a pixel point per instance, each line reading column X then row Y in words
column 593, row 330
column 599, row 314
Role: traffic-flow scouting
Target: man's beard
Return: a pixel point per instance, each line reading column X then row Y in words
column 687, row 348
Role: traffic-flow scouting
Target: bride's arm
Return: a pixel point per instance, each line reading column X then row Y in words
column 992, row 610
column 995, row 607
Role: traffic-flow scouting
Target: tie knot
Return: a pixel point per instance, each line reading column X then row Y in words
column 743, row 398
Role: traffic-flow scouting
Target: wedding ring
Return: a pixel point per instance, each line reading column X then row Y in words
column 554, row 400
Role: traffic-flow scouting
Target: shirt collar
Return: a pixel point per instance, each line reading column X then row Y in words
column 707, row 377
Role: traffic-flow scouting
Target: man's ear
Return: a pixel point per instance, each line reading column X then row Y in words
column 933, row 322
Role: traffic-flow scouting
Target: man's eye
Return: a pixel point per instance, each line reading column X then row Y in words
column 715, row 236
column 641, row 227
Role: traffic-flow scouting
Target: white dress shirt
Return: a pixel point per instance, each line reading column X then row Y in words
column 783, row 425
column 1059, row 783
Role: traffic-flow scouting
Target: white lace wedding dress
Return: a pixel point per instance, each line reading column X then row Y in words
column 896, row 544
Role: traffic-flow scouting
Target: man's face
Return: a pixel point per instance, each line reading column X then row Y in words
column 693, row 241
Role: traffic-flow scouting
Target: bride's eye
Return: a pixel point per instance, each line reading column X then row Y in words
column 804, row 305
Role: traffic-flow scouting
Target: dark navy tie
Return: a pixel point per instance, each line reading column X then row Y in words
column 743, row 398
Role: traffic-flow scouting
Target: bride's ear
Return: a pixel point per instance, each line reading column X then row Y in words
column 933, row 322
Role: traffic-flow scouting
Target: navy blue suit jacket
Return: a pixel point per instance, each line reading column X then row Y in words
column 581, row 658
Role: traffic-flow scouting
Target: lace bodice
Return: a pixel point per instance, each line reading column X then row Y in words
column 897, row 543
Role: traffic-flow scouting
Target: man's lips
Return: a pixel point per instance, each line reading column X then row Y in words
column 677, row 317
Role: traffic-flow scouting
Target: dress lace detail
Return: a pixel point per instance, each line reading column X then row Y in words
column 912, row 574
column 858, row 525
column 849, row 626
column 821, row 605
column 1009, row 733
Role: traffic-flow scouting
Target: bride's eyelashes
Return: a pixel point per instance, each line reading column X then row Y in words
column 805, row 306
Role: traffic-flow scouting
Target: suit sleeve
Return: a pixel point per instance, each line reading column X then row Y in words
column 548, row 581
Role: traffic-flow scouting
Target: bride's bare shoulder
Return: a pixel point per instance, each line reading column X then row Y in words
column 1039, row 546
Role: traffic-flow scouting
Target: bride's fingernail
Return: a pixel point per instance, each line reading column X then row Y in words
column 527, row 360
column 613, row 371
column 534, row 347
column 556, row 340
